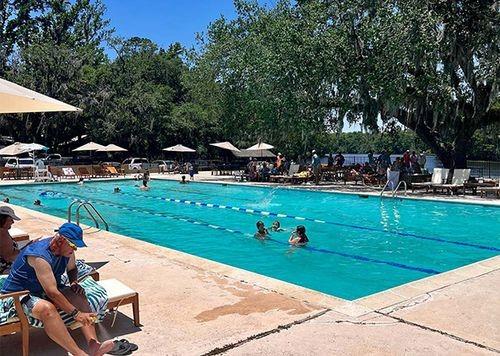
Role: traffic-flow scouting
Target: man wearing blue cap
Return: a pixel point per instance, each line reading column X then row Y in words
column 38, row 268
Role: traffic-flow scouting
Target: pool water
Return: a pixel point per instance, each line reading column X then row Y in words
column 358, row 245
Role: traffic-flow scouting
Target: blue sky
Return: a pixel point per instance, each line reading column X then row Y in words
column 167, row 21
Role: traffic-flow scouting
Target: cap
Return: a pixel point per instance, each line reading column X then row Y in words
column 73, row 233
column 313, row 151
column 7, row 210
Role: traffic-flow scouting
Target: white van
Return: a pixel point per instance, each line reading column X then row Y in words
column 16, row 162
column 135, row 164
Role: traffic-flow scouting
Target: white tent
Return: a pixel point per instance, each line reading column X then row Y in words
column 112, row 148
column 179, row 148
column 226, row 146
column 17, row 99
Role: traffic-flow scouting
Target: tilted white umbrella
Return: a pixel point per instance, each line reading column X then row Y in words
column 18, row 148
column 17, row 99
column 112, row 148
column 179, row 148
column 225, row 146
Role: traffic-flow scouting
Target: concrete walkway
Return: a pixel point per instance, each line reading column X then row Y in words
column 191, row 306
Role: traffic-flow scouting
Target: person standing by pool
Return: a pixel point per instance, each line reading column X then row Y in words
column 190, row 171
column 299, row 237
column 316, row 166
column 262, row 232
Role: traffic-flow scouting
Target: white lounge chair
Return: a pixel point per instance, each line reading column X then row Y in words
column 460, row 177
column 439, row 176
column 119, row 294
column 20, row 236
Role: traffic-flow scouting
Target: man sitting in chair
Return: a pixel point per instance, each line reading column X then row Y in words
column 38, row 268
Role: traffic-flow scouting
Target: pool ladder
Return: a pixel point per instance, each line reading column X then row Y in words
column 91, row 210
column 395, row 191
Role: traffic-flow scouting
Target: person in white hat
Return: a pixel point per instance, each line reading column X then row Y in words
column 8, row 247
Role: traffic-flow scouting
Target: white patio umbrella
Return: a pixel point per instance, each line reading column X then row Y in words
column 112, row 148
column 15, row 149
column 17, row 99
column 259, row 148
column 91, row 146
column 179, row 148
column 226, row 146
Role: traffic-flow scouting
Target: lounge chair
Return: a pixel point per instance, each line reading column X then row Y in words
column 119, row 294
column 294, row 169
column 112, row 171
column 68, row 172
column 495, row 190
column 439, row 176
column 83, row 172
column 20, row 236
column 460, row 177
column 14, row 320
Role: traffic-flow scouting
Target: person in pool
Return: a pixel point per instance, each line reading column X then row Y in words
column 277, row 226
column 299, row 237
column 37, row 202
column 80, row 181
column 262, row 232
column 117, row 190
column 183, row 180
column 145, row 178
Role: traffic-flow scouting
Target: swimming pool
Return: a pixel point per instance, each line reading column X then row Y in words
column 358, row 245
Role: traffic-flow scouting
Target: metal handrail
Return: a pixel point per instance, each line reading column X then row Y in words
column 397, row 187
column 87, row 205
column 71, row 206
column 385, row 186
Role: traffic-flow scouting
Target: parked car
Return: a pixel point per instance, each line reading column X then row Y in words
column 135, row 164
column 16, row 162
column 55, row 159
column 164, row 166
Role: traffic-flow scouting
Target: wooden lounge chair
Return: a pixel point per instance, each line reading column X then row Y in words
column 460, row 176
column 7, row 173
column 112, row 171
column 16, row 323
column 439, row 176
column 495, row 190
column 83, row 172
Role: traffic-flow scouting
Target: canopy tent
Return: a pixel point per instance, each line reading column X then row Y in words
column 179, row 148
column 112, row 148
column 226, row 146
column 18, row 148
column 259, row 153
column 17, row 99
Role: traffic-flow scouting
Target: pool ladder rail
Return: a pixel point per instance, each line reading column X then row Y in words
column 91, row 210
column 395, row 191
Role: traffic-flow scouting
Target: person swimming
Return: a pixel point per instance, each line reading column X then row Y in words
column 80, row 181
column 262, row 232
column 117, row 190
column 6, row 200
column 299, row 237
column 37, row 202
column 183, row 180
column 277, row 226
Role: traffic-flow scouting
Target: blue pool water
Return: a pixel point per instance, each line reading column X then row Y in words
column 358, row 246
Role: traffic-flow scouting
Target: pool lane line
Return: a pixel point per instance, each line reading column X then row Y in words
column 221, row 228
column 299, row 218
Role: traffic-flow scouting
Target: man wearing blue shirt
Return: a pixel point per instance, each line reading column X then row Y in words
column 38, row 268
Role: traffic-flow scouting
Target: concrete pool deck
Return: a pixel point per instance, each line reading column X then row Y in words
column 192, row 306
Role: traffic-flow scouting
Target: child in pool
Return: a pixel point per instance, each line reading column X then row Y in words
column 276, row 227
column 299, row 237
column 262, row 232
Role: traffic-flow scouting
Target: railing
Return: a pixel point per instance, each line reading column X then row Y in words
column 395, row 191
column 90, row 209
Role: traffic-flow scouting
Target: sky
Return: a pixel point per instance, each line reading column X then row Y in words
column 168, row 21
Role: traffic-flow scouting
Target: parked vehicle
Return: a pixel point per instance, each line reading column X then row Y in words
column 16, row 162
column 55, row 159
column 164, row 166
column 135, row 164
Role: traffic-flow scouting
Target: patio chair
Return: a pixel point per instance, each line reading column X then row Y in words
column 43, row 175
column 6, row 172
column 112, row 171
column 294, row 169
column 439, row 176
column 83, row 172
column 460, row 177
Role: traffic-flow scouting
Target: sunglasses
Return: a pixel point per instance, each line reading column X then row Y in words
column 71, row 245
